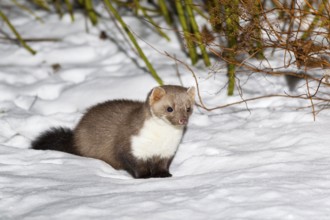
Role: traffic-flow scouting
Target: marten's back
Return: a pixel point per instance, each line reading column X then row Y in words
column 105, row 131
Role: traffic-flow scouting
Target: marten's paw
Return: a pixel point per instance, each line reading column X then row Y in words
column 162, row 174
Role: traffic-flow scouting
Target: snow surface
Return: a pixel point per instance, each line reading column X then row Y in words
column 267, row 161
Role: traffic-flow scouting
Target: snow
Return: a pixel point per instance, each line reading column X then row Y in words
column 267, row 161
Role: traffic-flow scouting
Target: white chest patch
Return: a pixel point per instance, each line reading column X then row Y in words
column 156, row 138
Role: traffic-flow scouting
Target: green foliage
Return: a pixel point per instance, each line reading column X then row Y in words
column 232, row 31
column 133, row 40
column 12, row 28
column 42, row 4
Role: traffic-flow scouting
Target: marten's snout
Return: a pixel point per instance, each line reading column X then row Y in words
column 183, row 121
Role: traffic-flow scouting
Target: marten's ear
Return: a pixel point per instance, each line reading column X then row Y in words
column 156, row 94
column 191, row 93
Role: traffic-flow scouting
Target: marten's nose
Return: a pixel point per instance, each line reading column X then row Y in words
column 183, row 121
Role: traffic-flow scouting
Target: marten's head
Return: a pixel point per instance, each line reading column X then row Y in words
column 173, row 104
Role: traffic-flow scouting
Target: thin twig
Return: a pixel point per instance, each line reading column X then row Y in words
column 178, row 72
column 13, row 29
column 32, row 39
column 311, row 99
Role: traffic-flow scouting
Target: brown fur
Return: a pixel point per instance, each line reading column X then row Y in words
column 105, row 130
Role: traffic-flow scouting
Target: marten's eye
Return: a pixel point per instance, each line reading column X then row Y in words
column 188, row 109
column 170, row 109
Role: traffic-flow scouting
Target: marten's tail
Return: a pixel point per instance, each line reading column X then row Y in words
column 60, row 139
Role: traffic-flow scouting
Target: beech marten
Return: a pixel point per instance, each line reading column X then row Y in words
column 139, row 137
